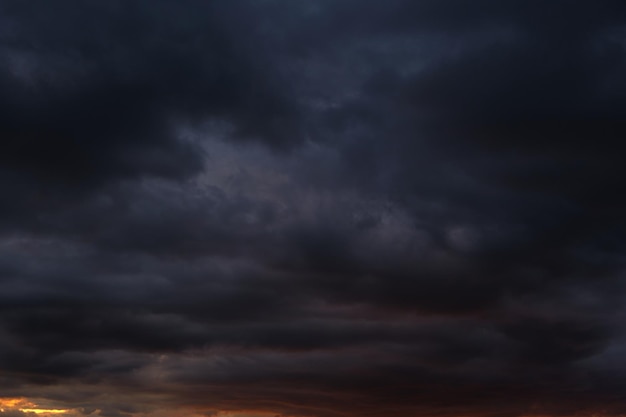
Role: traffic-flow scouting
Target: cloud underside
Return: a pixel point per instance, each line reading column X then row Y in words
column 336, row 208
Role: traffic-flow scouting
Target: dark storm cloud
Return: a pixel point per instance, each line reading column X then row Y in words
column 95, row 89
column 443, row 236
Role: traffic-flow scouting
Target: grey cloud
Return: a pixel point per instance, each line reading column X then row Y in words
column 403, row 207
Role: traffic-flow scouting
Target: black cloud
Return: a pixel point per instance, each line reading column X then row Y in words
column 93, row 90
column 400, row 207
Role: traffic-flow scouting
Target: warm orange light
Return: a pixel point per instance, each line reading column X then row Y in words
column 26, row 406
column 42, row 411
column 11, row 402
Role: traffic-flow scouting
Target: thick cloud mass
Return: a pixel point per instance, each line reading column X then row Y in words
column 320, row 208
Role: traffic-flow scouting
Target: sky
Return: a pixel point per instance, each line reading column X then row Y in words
column 315, row 208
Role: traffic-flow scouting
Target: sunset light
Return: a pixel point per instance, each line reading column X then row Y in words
column 26, row 406
column 42, row 411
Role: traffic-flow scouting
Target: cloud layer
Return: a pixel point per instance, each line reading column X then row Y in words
column 336, row 208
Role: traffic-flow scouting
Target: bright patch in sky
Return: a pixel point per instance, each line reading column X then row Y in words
column 26, row 406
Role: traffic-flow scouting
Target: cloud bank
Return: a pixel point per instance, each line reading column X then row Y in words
column 322, row 208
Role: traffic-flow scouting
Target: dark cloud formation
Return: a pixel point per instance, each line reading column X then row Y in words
column 314, row 208
column 98, row 88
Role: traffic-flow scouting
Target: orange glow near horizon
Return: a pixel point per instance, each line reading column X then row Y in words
column 26, row 406
column 42, row 411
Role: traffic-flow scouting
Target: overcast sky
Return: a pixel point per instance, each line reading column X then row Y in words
column 312, row 208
